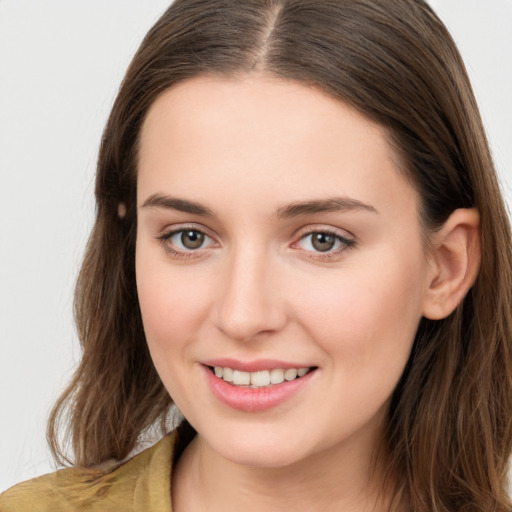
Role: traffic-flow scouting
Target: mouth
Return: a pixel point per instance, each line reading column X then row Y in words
column 259, row 379
column 257, row 386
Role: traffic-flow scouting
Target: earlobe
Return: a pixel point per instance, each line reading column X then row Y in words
column 454, row 263
column 121, row 210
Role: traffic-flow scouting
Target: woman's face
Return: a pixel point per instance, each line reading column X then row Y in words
column 276, row 236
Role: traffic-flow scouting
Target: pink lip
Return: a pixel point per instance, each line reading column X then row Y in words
column 254, row 399
column 253, row 366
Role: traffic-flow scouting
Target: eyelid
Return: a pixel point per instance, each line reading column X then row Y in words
column 322, row 228
column 347, row 239
column 166, row 234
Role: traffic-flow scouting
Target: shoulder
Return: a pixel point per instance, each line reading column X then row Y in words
column 142, row 483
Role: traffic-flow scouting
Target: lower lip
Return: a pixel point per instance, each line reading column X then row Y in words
column 254, row 399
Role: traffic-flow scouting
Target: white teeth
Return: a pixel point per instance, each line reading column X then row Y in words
column 290, row 374
column 227, row 374
column 277, row 376
column 241, row 378
column 259, row 379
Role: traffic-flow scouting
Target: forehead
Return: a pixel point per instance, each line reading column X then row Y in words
column 261, row 136
column 256, row 105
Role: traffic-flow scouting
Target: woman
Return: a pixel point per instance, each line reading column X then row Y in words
column 301, row 240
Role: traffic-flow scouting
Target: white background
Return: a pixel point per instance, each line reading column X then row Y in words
column 61, row 63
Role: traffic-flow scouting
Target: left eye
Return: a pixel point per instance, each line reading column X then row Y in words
column 321, row 241
column 188, row 239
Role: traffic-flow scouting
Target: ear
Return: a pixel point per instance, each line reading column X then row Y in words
column 454, row 262
column 121, row 210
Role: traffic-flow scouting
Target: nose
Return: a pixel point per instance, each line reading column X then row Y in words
column 249, row 302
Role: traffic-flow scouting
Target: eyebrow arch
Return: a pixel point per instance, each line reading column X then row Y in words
column 173, row 203
column 333, row 204
column 294, row 209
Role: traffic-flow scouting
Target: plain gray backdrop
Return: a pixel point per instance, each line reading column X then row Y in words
column 61, row 63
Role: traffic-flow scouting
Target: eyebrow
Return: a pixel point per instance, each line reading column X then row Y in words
column 294, row 209
column 182, row 205
column 333, row 204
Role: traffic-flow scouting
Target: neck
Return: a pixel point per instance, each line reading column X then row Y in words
column 346, row 477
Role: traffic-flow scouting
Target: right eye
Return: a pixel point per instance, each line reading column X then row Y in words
column 182, row 242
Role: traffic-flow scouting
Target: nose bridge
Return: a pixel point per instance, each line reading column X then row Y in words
column 248, row 304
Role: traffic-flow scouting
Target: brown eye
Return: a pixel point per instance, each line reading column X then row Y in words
column 323, row 242
column 192, row 239
column 186, row 240
column 187, row 243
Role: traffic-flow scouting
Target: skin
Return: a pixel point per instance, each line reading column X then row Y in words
column 257, row 288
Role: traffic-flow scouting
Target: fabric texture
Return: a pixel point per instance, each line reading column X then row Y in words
column 142, row 484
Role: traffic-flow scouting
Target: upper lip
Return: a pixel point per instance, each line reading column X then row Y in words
column 255, row 365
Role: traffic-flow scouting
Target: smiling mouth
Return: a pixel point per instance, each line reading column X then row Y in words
column 259, row 379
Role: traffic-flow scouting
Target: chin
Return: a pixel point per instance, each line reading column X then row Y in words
column 265, row 451
column 263, row 457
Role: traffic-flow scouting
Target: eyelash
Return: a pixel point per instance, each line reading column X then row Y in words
column 346, row 243
column 182, row 253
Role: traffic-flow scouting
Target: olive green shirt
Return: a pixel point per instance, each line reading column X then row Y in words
column 141, row 484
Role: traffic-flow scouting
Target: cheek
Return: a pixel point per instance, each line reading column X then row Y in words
column 365, row 319
column 173, row 309
column 171, row 304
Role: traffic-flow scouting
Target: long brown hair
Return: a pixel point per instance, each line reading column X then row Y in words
column 450, row 421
